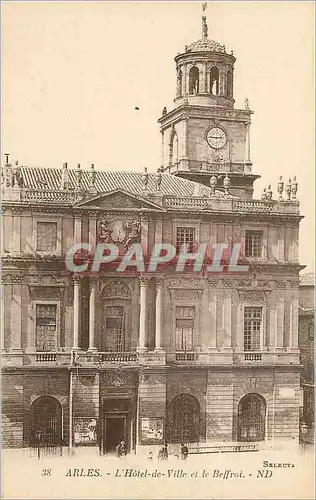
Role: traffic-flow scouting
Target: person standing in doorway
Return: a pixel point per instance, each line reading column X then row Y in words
column 184, row 451
column 121, row 449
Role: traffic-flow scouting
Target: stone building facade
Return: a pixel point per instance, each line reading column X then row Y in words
column 153, row 356
column 306, row 346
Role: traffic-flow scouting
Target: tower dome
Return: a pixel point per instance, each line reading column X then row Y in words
column 205, row 73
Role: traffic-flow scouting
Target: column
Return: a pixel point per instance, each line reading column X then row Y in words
column 240, row 325
column 226, row 319
column 76, row 309
column 158, row 231
column 143, row 313
column 144, row 234
column 77, row 230
column 16, row 231
column 205, row 78
column 162, row 153
column 213, row 318
column 187, row 80
column 158, row 334
column 92, row 230
column 185, row 142
column 294, row 338
column 16, row 315
column 92, row 308
column 185, row 83
column 280, row 323
column 248, row 143
column 281, row 231
column 222, row 82
column 273, row 327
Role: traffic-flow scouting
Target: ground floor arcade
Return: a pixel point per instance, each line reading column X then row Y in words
column 149, row 406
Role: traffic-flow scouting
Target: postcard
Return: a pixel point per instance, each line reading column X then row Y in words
column 157, row 244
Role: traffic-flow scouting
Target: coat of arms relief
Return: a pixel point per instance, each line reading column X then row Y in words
column 119, row 232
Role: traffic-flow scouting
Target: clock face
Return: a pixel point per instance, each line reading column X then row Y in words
column 216, row 138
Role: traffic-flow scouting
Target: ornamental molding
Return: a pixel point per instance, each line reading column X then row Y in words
column 253, row 295
column 12, row 278
column 50, row 280
column 17, row 211
column 118, row 378
column 229, row 283
column 76, row 279
column 116, row 289
column 143, row 280
column 124, row 232
column 45, row 293
column 261, row 385
column 192, row 294
column 192, row 283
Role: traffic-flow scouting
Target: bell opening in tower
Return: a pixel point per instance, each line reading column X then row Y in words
column 194, row 80
column 214, row 81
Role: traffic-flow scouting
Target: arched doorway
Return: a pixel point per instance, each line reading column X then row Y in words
column 251, row 418
column 184, row 419
column 46, row 421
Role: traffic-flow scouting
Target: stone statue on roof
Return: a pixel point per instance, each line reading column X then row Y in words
column 204, row 27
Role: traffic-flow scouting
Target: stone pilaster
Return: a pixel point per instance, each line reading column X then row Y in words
column 143, row 297
column 76, row 312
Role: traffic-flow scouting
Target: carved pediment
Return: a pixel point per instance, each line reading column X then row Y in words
column 117, row 200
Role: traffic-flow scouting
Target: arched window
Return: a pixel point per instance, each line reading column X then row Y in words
column 46, row 421
column 184, row 417
column 251, row 418
column 116, row 297
column 194, row 80
column 229, row 80
column 214, row 81
column 173, row 148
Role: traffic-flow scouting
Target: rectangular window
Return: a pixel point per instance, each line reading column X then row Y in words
column 252, row 326
column 114, row 324
column 46, row 327
column 253, row 243
column 185, row 235
column 185, row 328
column 46, row 240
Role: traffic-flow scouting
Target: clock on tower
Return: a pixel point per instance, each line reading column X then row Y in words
column 204, row 135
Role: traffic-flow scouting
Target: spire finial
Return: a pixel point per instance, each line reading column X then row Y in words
column 204, row 23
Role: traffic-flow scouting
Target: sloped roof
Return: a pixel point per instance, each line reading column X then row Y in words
column 106, row 180
column 307, row 279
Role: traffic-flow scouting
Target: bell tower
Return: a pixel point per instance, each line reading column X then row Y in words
column 204, row 136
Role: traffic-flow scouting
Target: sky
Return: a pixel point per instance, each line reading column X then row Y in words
column 73, row 73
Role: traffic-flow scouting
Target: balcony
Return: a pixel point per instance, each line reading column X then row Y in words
column 46, row 357
column 119, row 357
column 185, row 356
column 38, row 359
column 228, row 204
column 281, row 356
column 199, row 357
column 47, row 195
column 253, row 356
column 207, row 167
